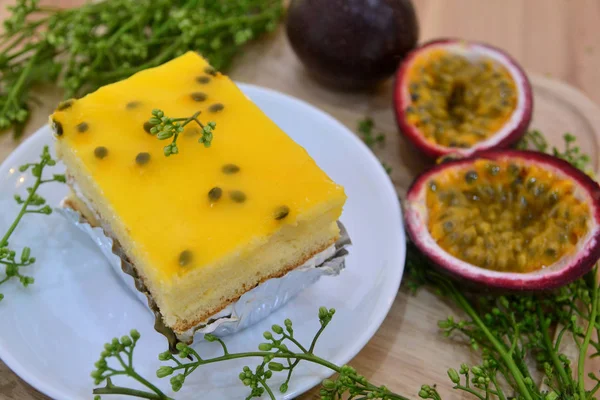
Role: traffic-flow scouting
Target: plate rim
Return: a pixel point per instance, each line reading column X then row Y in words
column 387, row 299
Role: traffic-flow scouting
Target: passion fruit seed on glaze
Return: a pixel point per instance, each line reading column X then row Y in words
column 507, row 219
column 458, row 97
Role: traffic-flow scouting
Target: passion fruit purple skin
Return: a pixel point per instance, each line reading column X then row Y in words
column 506, row 136
column 566, row 270
column 352, row 44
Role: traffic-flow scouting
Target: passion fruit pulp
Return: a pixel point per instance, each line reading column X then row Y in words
column 458, row 97
column 507, row 219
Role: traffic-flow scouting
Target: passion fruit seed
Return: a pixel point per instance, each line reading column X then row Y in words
column 216, row 107
column 230, row 169
column 215, row 194
column 142, row 158
column 210, row 71
column 237, row 196
column 203, row 79
column 493, row 169
column 281, row 212
column 82, row 127
column 148, row 126
column 100, row 152
column 132, row 105
column 198, row 96
column 185, row 258
column 64, row 105
column 456, row 101
column 471, row 176
column 506, row 217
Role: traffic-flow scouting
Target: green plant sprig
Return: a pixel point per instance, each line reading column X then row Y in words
column 164, row 128
column 366, row 127
column 98, row 43
column 277, row 355
column 32, row 204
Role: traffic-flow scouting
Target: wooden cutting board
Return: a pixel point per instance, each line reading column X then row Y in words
column 408, row 350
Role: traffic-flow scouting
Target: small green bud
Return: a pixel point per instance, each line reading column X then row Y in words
column 528, row 381
column 268, row 374
column 164, row 356
column 265, row 347
column 25, row 254
column 453, row 375
column 283, row 388
column 267, row 335
column 477, row 371
column 97, row 397
column 247, row 382
column 210, row 337
column 277, row 329
column 164, row 371
column 328, row 384
column 96, row 374
column 275, row 366
column 323, row 312
column 126, row 341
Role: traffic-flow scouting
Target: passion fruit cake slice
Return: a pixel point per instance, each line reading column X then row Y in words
column 507, row 219
column 458, row 97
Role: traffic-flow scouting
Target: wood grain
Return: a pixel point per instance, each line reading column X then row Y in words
column 553, row 38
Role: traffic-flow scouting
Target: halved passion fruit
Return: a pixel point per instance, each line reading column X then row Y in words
column 458, row 97
column 508, row 219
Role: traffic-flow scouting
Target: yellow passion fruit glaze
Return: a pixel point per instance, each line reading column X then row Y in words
column 456, row 101
column 505, row 216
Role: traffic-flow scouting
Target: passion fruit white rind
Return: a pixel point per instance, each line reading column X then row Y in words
column 506, row 135
column 564, row 270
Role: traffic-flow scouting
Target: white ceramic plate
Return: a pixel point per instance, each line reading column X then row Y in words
column 53, row 331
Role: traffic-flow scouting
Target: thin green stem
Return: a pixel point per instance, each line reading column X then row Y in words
column 130, row 392
column 15, row 263
column 146, row 383
column 584, row 346
column 499, row 392
column 297, row 343
column 14, row 90
column 499, row 347
column 267, row 388
column 296, row 356
column 32, row 193
column 564, row 378
column 594, row 390
column 314, row 341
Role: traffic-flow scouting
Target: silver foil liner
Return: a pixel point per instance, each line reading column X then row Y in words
column 250, row 308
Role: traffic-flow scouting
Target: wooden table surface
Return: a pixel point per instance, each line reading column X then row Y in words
column 556, row 38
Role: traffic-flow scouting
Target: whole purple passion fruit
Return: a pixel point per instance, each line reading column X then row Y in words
column 352, row 44
column 458, row 97
column 507, row 219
